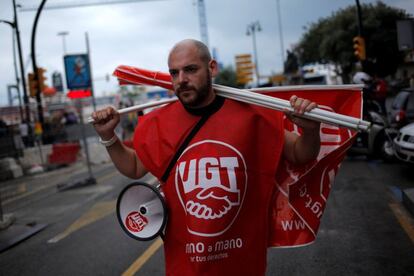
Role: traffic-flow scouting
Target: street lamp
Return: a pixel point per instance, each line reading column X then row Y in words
column 63, row 34
column 15, row 26
column 252, row 28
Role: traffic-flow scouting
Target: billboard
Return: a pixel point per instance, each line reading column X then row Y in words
column 78, row 75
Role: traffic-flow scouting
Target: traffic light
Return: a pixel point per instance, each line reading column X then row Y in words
column 33, row 87
column 244, row 68
column 359, row 47
column 41, row 79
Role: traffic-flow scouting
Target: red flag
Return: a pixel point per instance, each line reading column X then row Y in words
column 302, row 191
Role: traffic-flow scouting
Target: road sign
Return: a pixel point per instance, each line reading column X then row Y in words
column 57, row 81
column 77, row 70
column 244, row 68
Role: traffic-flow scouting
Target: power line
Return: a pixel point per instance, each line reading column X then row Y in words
column 82, row 4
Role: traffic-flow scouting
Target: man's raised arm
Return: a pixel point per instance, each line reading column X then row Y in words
column 124, row 158
column 304, row 148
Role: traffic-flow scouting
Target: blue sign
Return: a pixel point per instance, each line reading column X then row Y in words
column 78, row 75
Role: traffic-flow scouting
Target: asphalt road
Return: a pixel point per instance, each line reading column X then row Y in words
column 364, row 231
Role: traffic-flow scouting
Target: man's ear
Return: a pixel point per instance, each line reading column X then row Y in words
column 213, row 67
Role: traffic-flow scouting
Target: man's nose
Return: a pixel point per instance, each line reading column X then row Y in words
column 182, row 77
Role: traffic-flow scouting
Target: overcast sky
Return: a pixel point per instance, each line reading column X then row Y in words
column 141, row 33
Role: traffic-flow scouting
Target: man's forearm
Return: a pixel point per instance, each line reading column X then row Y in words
column 125, row 160
column 307, row 146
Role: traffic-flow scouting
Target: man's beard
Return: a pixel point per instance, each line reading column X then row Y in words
column 202, row 93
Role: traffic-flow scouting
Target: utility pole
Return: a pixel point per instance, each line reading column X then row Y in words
column 251, row 30
column 203, row 21
column 10, row 87
column 359, row 44
column 15, row 26
column 63, row 34
column 360, row 28
column 17, row 79
column 90, row 70
column 282, row 48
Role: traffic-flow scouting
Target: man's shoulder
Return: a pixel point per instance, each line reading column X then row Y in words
column 163, row 110
column 253, row 108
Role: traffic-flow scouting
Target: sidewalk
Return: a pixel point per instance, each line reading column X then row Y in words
column 17, row 193
column 36, row 167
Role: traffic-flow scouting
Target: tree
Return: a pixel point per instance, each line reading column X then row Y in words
column 330, row 39
column 291, row 64
column 227, row 76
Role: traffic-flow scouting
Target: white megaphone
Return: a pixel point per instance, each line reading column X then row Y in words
column 141, row 211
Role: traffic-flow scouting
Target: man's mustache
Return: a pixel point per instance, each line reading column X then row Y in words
column 185, row 88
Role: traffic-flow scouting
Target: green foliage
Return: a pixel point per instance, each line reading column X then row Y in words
column 291, row 64
column 226, row 76
column 330, row 39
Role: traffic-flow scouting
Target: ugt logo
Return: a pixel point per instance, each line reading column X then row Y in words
column 135, row 222
column 211, row 180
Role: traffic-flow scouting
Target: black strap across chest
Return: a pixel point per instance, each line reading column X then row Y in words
column 207, row 112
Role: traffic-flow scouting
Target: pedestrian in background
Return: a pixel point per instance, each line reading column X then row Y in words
column 24, row 133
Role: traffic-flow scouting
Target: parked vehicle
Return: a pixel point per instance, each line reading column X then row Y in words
column 377, row 143
column 317, row 73
column 404, row 143
column 401, row 111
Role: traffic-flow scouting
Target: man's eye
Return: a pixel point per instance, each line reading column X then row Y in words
column 173, row 73
column 191, row 69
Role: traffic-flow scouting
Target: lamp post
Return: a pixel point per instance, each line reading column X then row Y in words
column 16, row 73
column 252, row 28
column 63, row 34
column 14, row 24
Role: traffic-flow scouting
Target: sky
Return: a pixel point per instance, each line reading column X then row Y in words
column 142, row 33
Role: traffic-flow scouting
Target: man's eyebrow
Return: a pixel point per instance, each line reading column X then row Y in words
column 191, row 66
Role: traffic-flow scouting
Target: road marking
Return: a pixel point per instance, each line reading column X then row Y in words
column 143, row 258
column 103, row 178
column 98, row 211
column 404, row 219
column 99, row 180
column 25, row 195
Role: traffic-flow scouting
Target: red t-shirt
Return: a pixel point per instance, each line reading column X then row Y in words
column 219, row 192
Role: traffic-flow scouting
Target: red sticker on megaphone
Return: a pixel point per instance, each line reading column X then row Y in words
column 135, row 221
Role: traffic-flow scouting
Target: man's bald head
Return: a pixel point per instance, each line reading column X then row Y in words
column 192, row 69
column 201, row 48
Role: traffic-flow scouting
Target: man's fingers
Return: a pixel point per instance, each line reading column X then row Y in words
column 104, row 115
column 311, row 106
column 293, row 99
column 300, row 105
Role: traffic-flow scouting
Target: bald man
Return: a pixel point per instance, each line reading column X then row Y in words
column 220, row 188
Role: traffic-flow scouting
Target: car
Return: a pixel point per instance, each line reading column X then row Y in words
column 377, row 142
column 404, row 143
column 401, row 111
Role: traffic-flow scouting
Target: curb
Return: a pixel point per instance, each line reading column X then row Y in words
column 408, row 199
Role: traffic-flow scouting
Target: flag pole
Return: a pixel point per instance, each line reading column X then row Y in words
column 133, row 75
